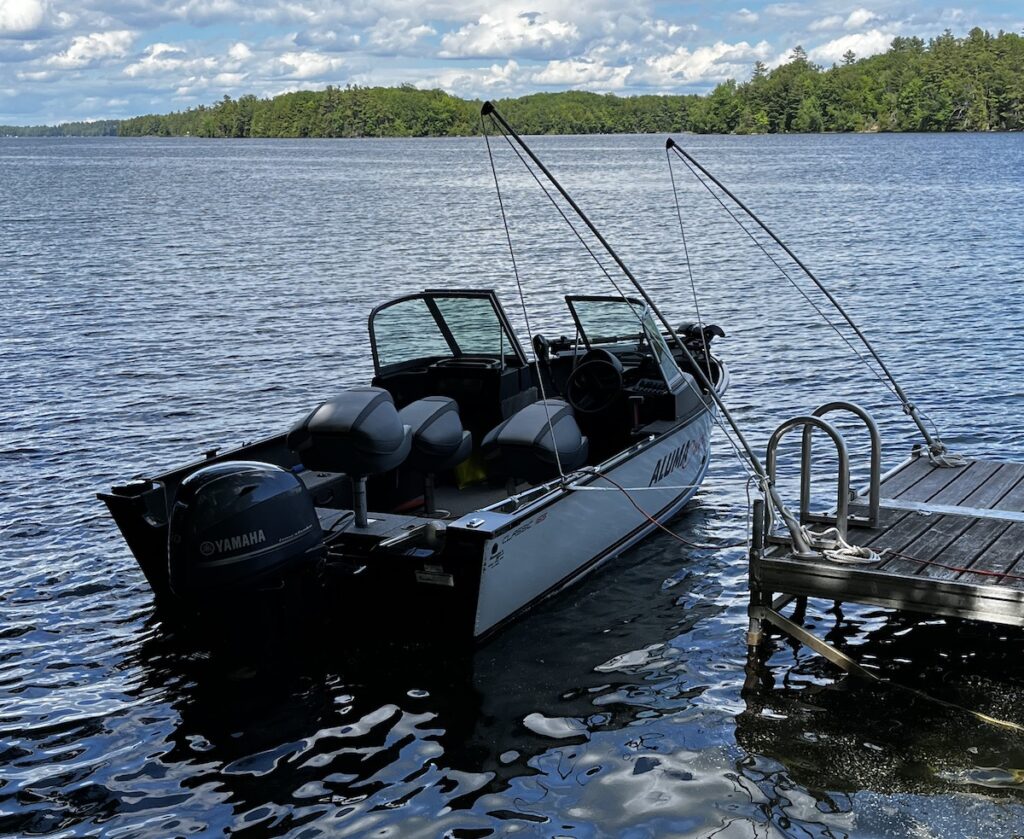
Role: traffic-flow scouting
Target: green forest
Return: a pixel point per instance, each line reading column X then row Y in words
column 974, row 83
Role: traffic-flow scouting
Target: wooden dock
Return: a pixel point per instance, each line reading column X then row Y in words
column 948, row 541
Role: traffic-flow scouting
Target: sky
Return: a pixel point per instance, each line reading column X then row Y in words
column 97, row 59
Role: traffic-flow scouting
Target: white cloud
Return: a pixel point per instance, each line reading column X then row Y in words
column 36, row 75
column 308, row 65
column 785, row 10
column 329, row 40
column 229, row 79
column 863, row 44
column 582, row 73
column 165, row 59
column 854, row 20
column 397, row 36
column 859, row 17
column 745, row 16
column 527, row 34
column 240, row 52
column 826, row 23
column 90, row 49
column 472, row 81
column 654, row 29
column 21, row 16
column 715, row 63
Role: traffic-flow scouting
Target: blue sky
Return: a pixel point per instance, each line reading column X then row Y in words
column 92, row 59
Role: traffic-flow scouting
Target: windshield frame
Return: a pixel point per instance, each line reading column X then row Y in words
column 572, row 299
column 430, row 298
column 647, row 330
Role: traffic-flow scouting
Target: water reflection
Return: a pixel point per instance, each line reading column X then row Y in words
column 845, row 735
column 145, row 334
column 346, row 728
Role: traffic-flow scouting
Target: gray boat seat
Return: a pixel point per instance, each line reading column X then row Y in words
column 523, row 447
column 439, row 441
column 358, row 433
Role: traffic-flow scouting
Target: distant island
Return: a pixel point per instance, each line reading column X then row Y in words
column 975, row 83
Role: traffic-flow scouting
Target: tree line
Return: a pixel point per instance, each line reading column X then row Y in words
column 974, row 83
column 95, row 128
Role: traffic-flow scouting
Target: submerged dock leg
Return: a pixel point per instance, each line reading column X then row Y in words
column 755, row 628
column 758, row 600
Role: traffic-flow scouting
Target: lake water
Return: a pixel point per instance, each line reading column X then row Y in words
column 161, row 297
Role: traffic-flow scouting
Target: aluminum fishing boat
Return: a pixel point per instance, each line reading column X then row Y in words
column 465, row 482
column 460, row 486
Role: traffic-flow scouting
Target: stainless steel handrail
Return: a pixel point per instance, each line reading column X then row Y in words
column 808, row 423
column 874, row 478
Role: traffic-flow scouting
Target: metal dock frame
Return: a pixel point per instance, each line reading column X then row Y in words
column 950, row 541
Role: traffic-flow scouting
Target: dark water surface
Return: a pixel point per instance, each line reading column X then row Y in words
column 160, row 297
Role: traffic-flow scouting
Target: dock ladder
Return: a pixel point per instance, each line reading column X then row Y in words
column 763, row 606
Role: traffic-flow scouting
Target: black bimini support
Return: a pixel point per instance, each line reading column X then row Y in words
column 935, row 445
column 800, row 541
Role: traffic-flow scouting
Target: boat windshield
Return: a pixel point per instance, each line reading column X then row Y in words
column 607, row 320
column 674, row 377
column 436, row 325
column 619, row 320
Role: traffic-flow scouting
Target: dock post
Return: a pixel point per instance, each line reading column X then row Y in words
column 755, row 629
column 758, row 599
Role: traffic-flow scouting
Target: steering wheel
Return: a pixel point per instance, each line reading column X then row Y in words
column 595, row 383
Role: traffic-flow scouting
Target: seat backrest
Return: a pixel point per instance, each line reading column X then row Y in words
column 438, row 440
column 358, row 432
column 525, row 445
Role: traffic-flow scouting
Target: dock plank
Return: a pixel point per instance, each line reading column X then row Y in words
column 1013, row 500
column 976, row 474
column 999, row 557
column 941, row 532
column 902, row 533
column 906, row 477
column 969, row 547
column 1006, row 476
column 936, row 480
column 1016, row 578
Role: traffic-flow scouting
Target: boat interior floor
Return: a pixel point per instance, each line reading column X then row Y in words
column 451, row 502
column 458, row 502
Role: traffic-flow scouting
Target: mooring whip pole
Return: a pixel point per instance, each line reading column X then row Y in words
column 797, row 533
column 935, row 445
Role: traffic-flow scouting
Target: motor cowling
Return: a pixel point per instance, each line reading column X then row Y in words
column 238, row 526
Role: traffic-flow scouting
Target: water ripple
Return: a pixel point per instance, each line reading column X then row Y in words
column 164, row 297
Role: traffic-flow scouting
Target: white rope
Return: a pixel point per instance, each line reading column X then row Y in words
column 835, row 548
column 947, row 460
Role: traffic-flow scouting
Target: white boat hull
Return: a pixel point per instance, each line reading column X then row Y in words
column 574, row 528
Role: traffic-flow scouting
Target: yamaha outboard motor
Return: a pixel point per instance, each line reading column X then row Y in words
column 238, row 528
